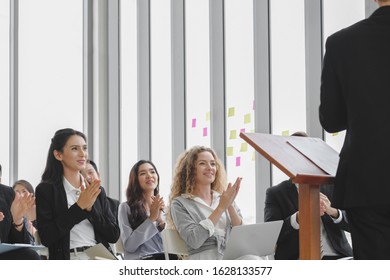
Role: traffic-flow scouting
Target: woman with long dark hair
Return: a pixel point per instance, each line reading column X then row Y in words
column 72, row 214
column 140, row 216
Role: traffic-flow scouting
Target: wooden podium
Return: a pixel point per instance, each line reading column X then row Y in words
column 303, row 168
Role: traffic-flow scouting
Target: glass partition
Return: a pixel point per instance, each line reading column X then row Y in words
column 4, row 89
column 50, row 78
column 288, row 81
column 239, row 73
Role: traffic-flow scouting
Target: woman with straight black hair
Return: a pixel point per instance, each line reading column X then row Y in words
column 140, row 216
column 72, row 214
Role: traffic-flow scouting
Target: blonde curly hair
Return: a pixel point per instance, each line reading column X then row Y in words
column 184, row 176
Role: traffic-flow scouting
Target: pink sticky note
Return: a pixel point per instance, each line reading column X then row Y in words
column 193, row 122
column 242, row 130
column 205, row 131
column 238, row 161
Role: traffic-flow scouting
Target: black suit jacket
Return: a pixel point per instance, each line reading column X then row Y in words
column 55, row 220
column 281, row 202
column 8, row 233
column 355, row 95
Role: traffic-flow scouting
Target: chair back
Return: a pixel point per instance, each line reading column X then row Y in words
column 117, row 248
column 173, row 243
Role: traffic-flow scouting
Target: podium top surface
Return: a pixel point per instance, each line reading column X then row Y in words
column 292, row 159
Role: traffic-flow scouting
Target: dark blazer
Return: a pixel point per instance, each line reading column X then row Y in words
column 355, row 95
column 8, row 233
column 281, row 202
column 55, row 220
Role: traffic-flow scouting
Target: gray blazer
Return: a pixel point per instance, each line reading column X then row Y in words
column 139, row 242
column 186, row 216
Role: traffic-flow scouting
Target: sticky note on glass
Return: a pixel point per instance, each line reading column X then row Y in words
column 205, row 131
column 247, row 118
column 242, row 130
column 207, row 116
column 233, row 134
column 244, row 147
column 285, row 133
column 229, row 151
column 238, row 161
column 335, row 134
column 193, row 122
column 231, row 112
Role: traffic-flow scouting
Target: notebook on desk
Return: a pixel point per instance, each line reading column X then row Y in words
column 255, row 239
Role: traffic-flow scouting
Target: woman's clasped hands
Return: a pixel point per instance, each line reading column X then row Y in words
column 88, row 194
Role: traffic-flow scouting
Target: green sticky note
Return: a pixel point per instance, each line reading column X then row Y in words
column 233, row 134
column 285, row 133
column 229, row 151
column 244, row 147
column 207, row 116
column 253, row 156
column 231, row 112
column 247, row 118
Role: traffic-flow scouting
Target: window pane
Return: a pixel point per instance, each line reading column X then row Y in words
column 128, row 64
column 338, row 15
column 197, row 72
column 4, row 89
column 239, row 101
column 160, row 37
column 287, row 70
column 50, row 78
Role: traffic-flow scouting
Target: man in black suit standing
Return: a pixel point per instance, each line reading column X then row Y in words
column 281, row 203
column 355, row 96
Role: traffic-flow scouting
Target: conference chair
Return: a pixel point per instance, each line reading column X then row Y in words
column 118, row 249
column 173, row 244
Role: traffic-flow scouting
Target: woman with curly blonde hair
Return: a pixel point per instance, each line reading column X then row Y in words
column 201, row 207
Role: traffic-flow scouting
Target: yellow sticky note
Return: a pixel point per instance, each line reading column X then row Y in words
column 285, row 133
column 247, row 118
column 229, row 151
column 233, row 134
column 231, row 112
column 207, row 116
column 244, row 147
column 253, row 156
column 335, row 134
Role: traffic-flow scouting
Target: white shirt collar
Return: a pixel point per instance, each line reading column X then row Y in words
column 191, row 196
column 216, row 196
column 69, row 188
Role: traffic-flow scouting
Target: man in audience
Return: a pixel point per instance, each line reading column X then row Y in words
column 281, row 203
column 91, row 173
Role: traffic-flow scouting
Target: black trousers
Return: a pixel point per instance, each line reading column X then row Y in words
column 370, row 232
column 20, row 254
column 159, row 256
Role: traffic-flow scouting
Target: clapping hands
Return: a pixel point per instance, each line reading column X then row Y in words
column 230, row 194
column 21, row 206
column 89, row 194
column 156, row 207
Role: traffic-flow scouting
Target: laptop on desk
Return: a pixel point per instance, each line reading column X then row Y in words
column 255, row 239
